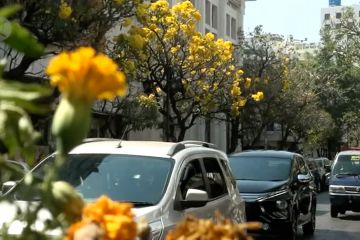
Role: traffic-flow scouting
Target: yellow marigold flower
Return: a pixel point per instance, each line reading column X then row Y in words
column 65, row 10
column 83, row 74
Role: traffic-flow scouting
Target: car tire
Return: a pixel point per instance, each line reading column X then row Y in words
column 333, row 211
column 291, row 230
column 309, row 228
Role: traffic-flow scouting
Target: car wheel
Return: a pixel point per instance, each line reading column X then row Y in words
column 291, row 231
column 333, row 211
column 309, row 228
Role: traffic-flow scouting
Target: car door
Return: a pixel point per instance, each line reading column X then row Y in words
column 219, row 198
column 305, row 189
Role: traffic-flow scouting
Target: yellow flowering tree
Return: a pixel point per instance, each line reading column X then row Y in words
column 267, row 62
column 184, row 72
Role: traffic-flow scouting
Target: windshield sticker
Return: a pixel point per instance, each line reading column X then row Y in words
column 355, row 158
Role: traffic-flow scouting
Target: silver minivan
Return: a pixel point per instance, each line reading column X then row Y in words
column 165, row 181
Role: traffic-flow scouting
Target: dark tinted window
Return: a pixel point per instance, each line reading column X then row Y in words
column 122, row 177
column 263, row 168
column 191, row 177
column 215, row 177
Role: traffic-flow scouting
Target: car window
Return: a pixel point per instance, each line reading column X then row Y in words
column 260, row 168
column 302, row 168
column 215, row 177
column 191, row 177
column 136, row 179
column 347, row 164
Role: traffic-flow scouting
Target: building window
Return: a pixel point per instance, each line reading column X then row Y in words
column 327, row 16
column 233, row 28
column 227, row 25
column 338, row 15
column 207, row 12
column 214, row 16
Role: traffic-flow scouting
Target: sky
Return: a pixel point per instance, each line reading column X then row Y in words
column 299, row 18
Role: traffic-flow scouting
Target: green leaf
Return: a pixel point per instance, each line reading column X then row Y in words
column 23, row 41
column 9, row 10
column 25, row 95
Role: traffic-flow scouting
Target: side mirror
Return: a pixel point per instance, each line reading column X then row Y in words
column 6, row 186
column 194, row 198
column 327, row 168
column 304, row 178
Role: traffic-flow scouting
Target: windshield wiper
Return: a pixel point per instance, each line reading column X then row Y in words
column 142, row 204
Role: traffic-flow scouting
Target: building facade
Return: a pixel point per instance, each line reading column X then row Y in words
column 334, row 13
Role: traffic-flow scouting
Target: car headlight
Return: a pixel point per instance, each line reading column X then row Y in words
column 336, row 189
column 281, row 204
column 156, row 229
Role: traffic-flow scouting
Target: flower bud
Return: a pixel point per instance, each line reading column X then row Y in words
column 67, row 200
column 71, row 123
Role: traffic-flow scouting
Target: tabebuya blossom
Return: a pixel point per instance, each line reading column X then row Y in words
column 82, row 76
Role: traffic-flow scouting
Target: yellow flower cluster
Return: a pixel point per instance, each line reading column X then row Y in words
column 115, row 220
column 147, row 100
column 86, row 76
column 65, row 10
column 258, row 96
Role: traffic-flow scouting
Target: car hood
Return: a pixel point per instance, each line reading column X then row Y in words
column 345, row 180
column 250, row 186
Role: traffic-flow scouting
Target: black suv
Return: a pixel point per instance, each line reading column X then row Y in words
column 279, row 190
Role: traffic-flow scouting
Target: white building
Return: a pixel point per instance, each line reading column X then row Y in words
column 333, row 14
column 225, row 19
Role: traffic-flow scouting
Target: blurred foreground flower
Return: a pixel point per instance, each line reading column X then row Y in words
column 66, row 201
column 105, row 219
column 205, row 229
column 82, row 76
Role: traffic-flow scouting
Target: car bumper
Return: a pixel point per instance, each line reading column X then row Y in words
column 346, row 201
column 273, row 221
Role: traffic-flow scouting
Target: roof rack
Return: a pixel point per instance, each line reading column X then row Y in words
column 88, row 140
column 188, row 143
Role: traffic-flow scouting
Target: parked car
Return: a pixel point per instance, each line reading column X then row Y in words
column 278, row 189
column 324, row 165
column 165, row 181
column 344, row 189
column 314, row 169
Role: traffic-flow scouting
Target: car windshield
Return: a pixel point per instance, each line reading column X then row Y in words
column 347, row 165
column 264, row 168
column 137, row 179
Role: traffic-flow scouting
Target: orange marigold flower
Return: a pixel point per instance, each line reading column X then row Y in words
column 73, row 229
column 86, row 75
column 116, row 219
